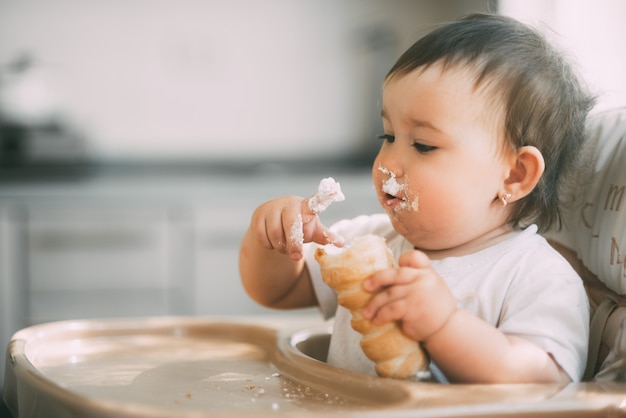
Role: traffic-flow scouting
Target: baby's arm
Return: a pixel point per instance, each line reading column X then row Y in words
column 468, row 349
column 270, row 259
column 463, row 346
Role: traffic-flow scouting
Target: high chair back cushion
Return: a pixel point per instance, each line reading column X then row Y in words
column 594, row 241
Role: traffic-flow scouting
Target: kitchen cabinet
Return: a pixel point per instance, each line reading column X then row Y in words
column 13, row 305
column 217, row 234
column 98, row 261
column 10, row 268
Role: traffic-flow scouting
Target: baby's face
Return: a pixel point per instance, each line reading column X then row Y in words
column 440, row 168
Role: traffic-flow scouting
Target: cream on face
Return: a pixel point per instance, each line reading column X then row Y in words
column 398, row 190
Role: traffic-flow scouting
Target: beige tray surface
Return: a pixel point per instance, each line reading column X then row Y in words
column 200, row 367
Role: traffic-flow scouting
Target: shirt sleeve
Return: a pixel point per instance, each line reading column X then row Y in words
column 550, row 309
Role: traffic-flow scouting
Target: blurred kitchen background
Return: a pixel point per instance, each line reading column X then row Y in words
column 137, row 136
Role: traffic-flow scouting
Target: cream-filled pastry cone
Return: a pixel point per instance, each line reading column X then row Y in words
column 394, row 354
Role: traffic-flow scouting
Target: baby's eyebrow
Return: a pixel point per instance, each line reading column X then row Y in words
column 418, row 123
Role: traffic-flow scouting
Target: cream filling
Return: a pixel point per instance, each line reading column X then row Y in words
column 328, row 191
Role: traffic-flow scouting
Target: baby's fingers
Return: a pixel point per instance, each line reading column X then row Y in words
column 389, row 277
column 269, row 231
column 316, row 232
column 294, row 228
column 410, row 265
column 415, row 259
column 313, row 231
column 390, row 304
column 392, row 311
column 270, row 220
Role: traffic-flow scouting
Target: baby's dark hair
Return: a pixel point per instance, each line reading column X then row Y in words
column 539, row 94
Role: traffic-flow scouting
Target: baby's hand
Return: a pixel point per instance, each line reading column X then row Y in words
column 413, row 294
column 286, row 223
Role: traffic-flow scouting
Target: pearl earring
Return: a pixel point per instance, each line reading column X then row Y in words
column 504, row 198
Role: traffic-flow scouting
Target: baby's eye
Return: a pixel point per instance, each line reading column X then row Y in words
column 422, row 148
column 387, row 137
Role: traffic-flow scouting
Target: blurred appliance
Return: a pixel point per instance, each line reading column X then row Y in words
column 32, row 129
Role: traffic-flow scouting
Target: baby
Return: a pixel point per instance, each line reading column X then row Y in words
column 483, row 127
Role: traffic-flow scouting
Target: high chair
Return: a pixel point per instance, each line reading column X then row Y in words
column 593, row 240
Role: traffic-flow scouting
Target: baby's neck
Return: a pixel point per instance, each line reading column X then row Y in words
column 487, row 240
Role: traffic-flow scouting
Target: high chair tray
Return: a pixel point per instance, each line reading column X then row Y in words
column 201, row 367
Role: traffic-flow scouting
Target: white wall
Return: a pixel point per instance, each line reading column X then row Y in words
column 592, row 32
column 209, row 79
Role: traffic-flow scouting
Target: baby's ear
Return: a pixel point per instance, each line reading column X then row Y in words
column 526, row 170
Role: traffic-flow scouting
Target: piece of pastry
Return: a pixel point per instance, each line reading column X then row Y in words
column 393, row 352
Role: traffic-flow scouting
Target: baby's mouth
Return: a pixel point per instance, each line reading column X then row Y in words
column 390, row 199
column 395, row 192
column 391, row 185
column 396, row 202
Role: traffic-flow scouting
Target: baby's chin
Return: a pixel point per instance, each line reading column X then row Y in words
column 400, row 220
column 405, row 224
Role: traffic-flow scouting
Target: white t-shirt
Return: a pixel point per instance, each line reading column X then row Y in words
column 522, row 286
